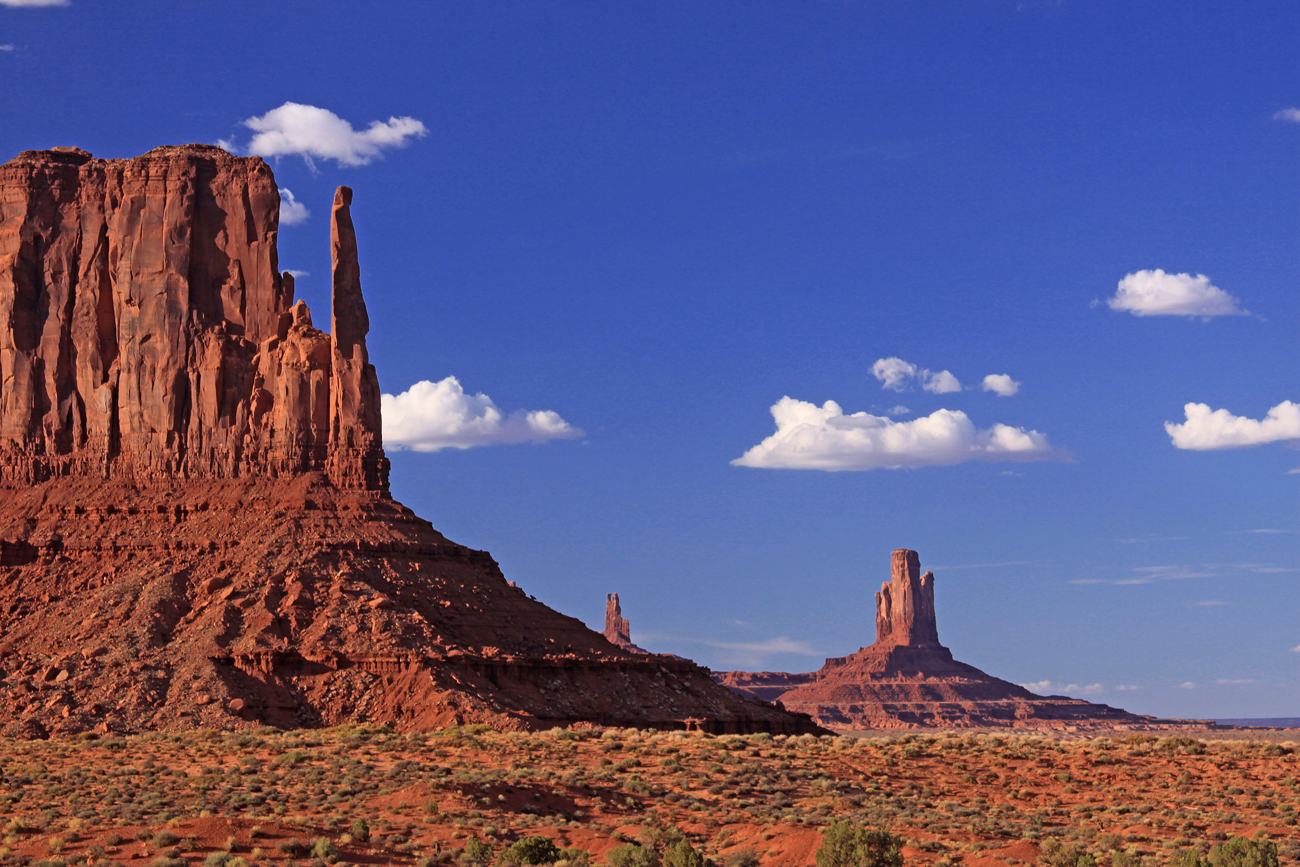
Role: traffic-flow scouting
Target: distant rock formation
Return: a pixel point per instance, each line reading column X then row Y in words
column 618, row 631
column 908, row 679
column 195, row 525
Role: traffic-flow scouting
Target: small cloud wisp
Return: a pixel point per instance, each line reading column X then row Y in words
column 292, row 211
column 896, row 374
column 1001, row 384
column 431, row 416
column 314, row 133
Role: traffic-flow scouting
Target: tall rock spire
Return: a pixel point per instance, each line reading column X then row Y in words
column 356, row 439
column 905, row 606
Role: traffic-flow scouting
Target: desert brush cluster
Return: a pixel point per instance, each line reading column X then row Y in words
column 473, row 797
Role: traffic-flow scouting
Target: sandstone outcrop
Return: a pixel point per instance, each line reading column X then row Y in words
column 618, row 631
column 195, row 524
column 908, row 679
column 146, row 333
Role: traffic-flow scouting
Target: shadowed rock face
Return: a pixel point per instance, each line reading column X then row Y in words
column 195, row 525
column 907, row 678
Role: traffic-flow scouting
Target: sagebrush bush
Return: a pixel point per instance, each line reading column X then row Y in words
column 847, row 844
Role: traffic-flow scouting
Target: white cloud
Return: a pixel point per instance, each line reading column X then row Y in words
column 893, row 373
column 14, row 4
column 1149, row 575
column 430, row 416
column 771, row 645
column 6, row 48
column 1291, row 114
column 897, row 374
column 1220, row 429
column 311, row 132
column 1046, row 687
column 292, row 211
column 1001, row 384
column 1236, row 682
column 1187, row 685
column 1294, row 472
column 809, row 437
column 1296, row 649
column 1123, row 688
column 298, row 275
column 1155, row 293
column 942, row 382
column 902, row 410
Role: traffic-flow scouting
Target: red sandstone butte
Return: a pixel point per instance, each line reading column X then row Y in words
column 195, row 524
column 907, row 679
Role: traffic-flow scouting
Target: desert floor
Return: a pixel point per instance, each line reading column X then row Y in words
column 979, row 799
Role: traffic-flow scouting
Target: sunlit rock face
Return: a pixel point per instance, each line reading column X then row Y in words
column 195, row 524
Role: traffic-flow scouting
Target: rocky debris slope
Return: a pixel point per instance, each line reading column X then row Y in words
column 195, row 526
column 618, row 631
column 908, row 679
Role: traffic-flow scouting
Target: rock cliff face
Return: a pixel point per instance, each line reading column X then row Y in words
column 195, row 526
column 905, row 606
column 908, row 679
column 146, row 333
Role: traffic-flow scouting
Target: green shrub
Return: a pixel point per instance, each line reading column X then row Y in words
column 324, row 849
column 1068, row 856
column 682, row 854
column 1243, row 852
column 216, row 859
column 577, row 857
column 164, row 839
column 360, row 831
column 742, row 857
column 292, row 846
column 478, row 852
column 529, row 851
column 631, row 855
column 847, row 844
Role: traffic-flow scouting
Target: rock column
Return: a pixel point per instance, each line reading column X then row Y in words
column 356, row 439
column 905, row 606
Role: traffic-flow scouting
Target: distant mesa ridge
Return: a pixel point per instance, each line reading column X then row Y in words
column 196, row 529
column 908, row 679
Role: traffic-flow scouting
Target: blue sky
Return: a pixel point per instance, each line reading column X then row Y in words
column 648, row 223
